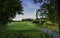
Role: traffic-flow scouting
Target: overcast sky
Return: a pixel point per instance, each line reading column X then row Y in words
column 29, row 10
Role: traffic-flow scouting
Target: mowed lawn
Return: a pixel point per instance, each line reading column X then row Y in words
column 21, row 26
column 23, row 30
column 30, row 26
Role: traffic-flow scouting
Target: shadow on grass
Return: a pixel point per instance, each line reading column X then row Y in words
column 23, row 34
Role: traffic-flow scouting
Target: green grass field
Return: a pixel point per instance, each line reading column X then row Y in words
column 21, row 26
column 26, row 30
column 30, row 26
column 22, row 30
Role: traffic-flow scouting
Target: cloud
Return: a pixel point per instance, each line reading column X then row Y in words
column 29, row 10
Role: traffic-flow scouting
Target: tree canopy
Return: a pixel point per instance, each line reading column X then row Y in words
column 9, row 9
column 50, row 6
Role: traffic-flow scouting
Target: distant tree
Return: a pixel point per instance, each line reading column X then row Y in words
column 9, row 9
column 42, row 13
column 27, row 19
column 36, row 21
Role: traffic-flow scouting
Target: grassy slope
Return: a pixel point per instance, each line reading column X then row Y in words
column 21, row 26
column 28, row 26
column 24, row 30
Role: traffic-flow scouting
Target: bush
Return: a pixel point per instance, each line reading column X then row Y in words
column 36, row 21
column 42, row 22
column 48, row 23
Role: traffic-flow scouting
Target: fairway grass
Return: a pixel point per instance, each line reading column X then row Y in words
column 21, row 26
column 29, row 26
column 23, row 30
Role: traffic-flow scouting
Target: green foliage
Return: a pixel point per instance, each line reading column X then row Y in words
column 41, row 13
column 51, row 10
column 8, row 10
column 36, row 21
column 42, row 22
column 27, row 19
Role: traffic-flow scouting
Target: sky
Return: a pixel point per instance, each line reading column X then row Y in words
column 29, row 10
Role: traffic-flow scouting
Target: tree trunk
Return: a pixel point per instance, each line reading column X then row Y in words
column 58, row 12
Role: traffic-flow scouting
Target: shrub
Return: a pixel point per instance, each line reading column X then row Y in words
column 36, row 21
column 42, row 22
column 27, row 19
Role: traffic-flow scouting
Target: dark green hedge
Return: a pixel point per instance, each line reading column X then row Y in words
column 36, row 21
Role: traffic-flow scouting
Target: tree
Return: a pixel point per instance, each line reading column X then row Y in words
column 37, row 13
column 57, row 4
column 52, row 11
column 27, row 19
column 8, row 10
column 58, row 12
column 41, row 13
column 50, row 6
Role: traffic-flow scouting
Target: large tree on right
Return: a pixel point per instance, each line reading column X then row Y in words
column 50, row 6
